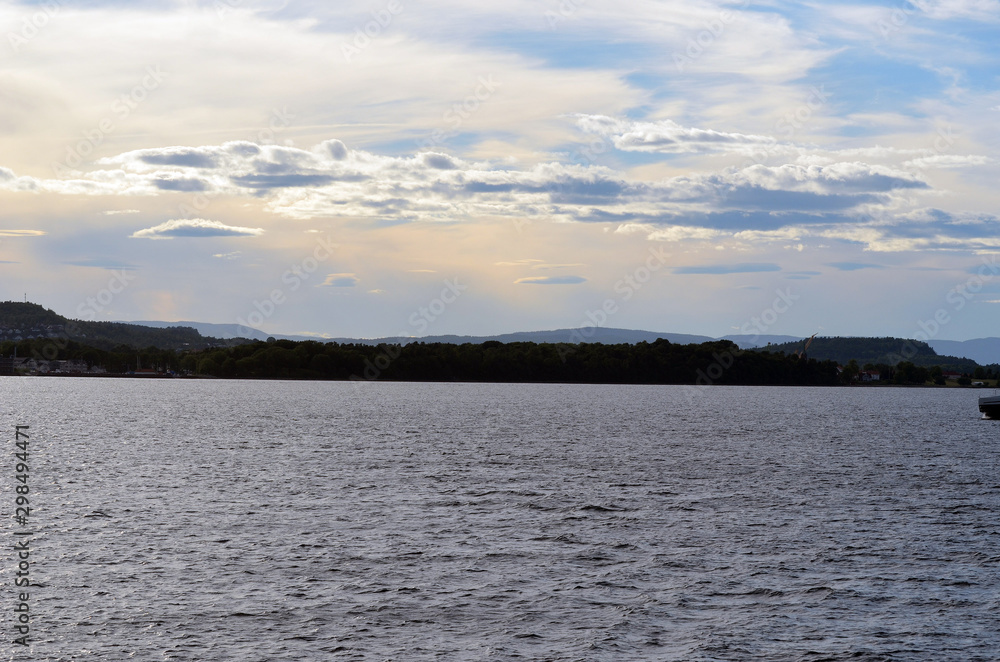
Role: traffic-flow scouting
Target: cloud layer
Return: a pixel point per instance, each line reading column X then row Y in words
column 746, row 145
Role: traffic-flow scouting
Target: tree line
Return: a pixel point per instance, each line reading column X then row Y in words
column 660, row 362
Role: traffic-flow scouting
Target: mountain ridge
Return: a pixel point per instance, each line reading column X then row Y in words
column 606, row 335
column 193, row 335
column 984, row 351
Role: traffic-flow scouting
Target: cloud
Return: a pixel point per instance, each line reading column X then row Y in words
column 949, row 161
column 551, row 280
column 102, row 263
column 195, row 227
column 519, row 263
column 179, row 156
column 340, row 280
column 668, row 137
column 182, row 184
column 853, row 266
column 440, row 161
column 978, row 10
column 327, row 181
column 21, row 233
column 294, row 180
column 551, row 267
column 669, row 232
column 726, row 269
column 852, row 201
column 855, row 178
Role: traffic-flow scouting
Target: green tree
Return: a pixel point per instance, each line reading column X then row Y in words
column 208, row 366
column 851, row 372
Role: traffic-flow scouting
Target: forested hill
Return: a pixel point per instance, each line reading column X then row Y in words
column 875, row 351
column 31, row 321
column 19, row 315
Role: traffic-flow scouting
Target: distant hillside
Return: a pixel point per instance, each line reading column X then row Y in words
column 24, row 321
column 603, row 335
column 889, row 351
column 596, row 335
column 751, row 342
column 221, row 331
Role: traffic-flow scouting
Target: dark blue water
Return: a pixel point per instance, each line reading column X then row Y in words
column 195, row 520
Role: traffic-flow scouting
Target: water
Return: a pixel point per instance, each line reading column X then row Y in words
column 207, row 520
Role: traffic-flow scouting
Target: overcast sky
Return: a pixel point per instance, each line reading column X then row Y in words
column 415, row 168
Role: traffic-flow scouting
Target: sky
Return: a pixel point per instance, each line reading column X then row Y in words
column 390, row 167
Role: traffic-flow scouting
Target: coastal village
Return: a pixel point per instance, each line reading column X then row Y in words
column 8, row 332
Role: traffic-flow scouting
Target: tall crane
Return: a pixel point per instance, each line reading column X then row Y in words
column 802, row 354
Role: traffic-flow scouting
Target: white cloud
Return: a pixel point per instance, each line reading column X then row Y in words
column 670, row 233
column 340, row 280
column 551, row 280
column 195, row 227
column 949, row 161
column 668, row 137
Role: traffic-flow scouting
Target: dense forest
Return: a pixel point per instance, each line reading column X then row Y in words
column 660, row 362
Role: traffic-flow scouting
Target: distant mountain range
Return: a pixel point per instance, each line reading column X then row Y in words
column 27, row 319
column 985, row 351
column 599, row 335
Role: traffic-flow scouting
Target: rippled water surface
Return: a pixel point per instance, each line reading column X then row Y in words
column 208, row 520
